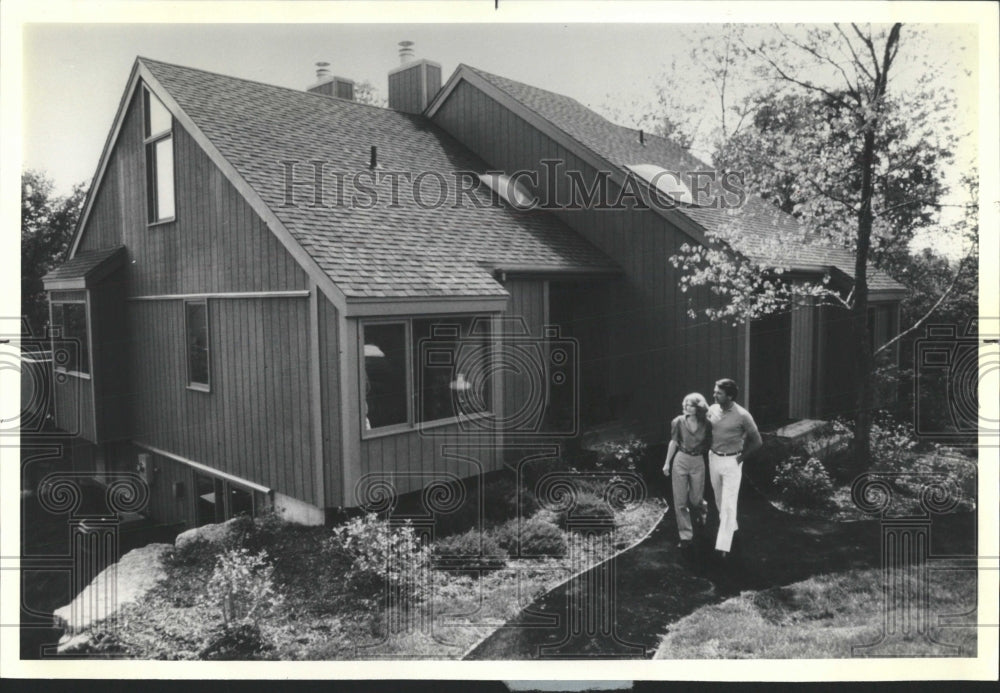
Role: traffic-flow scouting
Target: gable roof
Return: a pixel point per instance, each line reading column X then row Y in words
column 401, row 250
column 758, row 229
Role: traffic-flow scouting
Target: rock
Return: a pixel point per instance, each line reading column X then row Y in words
column 127, row 581
column 214, row 534
column 819, row 439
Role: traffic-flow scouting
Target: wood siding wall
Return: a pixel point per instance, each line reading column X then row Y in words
column 217, row 243
column 255, row 422
column 803, row 360
column 413, row 459
column 658, row 353
column 329, row 351
column 73, row 405
column 410, row 90
column 110, row 338
column 528, row 302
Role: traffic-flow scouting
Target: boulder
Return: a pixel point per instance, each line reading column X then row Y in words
column 214, row 534
column 126, row 581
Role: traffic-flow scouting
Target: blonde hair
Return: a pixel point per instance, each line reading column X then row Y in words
column 699, row 401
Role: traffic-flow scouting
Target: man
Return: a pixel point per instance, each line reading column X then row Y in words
column 734, row 436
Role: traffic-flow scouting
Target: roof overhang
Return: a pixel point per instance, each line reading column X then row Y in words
column 444, row 305
column 84, row 275
column 503, row 272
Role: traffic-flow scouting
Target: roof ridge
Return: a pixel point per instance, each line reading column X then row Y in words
column 268, row 84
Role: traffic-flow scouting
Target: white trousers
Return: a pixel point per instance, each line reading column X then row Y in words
column 725, row 475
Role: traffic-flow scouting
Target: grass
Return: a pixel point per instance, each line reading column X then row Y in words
column 825, row 617
column 322, row 620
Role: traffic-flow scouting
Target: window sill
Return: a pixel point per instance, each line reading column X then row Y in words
column 398, row 429
column 197, row 387
column 160, row 222
column 75, row 374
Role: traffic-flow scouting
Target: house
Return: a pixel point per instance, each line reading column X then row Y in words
column 288, row 298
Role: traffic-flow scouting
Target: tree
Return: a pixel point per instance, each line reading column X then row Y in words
column 47, row 226
column 368, row 93
column 827, row 135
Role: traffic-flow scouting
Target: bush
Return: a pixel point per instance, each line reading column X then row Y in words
column 503, row 500
column 241, row 642
column 471, row 553
column 242, row 587
column 624, row 456
column 382, row 555
column 804, row 483
column 593, row 510
column 537, row 538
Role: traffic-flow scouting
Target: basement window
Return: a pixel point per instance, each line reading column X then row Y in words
column 159, row 144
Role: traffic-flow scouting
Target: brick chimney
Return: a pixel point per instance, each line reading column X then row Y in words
column 331, row 85
column 414, row 83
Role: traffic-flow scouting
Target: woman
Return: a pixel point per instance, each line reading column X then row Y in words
column 690, row 441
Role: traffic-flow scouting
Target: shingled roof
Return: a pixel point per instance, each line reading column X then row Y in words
column 757, row 228
column 85, row 268
column 397, row 250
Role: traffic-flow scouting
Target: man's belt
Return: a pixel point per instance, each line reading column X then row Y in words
column 726, row 454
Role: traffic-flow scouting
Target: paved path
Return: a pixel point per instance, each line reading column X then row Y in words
column 621, row 608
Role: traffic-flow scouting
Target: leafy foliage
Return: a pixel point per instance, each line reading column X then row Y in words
column 804, row 483
column 532, row 537
column 471, row 553
column 242, row 587
column 47, row 226
column 626, row 456
column 383, row 555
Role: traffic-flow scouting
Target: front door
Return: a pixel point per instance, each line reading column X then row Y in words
column 770, row 361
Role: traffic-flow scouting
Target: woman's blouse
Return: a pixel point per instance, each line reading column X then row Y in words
column 693, row 443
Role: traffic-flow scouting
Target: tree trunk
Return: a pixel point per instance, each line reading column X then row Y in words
column 863, row 347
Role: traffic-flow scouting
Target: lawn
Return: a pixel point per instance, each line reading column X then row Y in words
column 826, row 617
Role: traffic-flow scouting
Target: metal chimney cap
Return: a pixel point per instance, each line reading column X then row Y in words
column 322, row 70
column 405, row 51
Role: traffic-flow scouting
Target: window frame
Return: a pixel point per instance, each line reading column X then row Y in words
column 150, row 141
column 411, row 424
column 88, row 342
column 191, row 384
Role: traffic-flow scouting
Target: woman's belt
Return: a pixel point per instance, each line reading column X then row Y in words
column 693, row 452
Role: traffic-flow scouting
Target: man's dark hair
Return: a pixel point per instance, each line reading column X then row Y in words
column 729, row 387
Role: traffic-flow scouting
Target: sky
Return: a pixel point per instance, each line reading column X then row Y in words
column 74, row 72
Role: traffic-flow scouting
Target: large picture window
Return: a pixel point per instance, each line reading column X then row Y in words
column 159, row 141
column 196, row 329
column 71, row 319
column 425, row 370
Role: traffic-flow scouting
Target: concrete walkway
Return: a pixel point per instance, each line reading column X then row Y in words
column 620, row 608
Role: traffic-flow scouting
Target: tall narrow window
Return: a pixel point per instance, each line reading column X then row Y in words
column 385, row 375
column 158, row 132
column 196, row 318
column 71, row 318
column 451, row 365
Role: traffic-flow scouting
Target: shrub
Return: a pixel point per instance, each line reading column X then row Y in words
column 804, row 483
column 242, row 586
column 891, row 442
column 537, row 538
column 503, row 499
column 471, row 553
column 593, row 510
column 382, row 555
column 624, row 456
column 240, row 642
